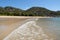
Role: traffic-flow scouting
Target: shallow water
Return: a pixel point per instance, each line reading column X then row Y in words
column 29, row 31
column 2, row 28
column 51, row 25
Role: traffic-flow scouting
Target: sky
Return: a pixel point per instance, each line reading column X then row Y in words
column 26, row 4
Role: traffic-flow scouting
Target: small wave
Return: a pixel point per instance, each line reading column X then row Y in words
column 28, row 31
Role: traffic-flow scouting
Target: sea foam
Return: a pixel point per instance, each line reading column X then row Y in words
column 28, row 31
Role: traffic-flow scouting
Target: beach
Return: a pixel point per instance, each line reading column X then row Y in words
column 10, row 23
column 25, row 17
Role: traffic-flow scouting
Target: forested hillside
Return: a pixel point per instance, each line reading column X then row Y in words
column 33, row 11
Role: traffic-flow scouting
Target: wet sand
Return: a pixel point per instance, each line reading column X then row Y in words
column 9, row 24
column 28, row 31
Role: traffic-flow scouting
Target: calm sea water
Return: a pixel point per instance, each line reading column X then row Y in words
column 51, row 25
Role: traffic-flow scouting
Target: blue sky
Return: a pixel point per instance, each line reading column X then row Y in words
column 25, row 4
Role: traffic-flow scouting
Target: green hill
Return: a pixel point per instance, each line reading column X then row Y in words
column 33, row 11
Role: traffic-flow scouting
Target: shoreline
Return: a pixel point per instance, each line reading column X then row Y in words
column 24, row 17
column 27, row 20
column 14, row 20
column 10, row 24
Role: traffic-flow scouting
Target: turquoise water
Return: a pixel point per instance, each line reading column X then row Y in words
column 51, row 25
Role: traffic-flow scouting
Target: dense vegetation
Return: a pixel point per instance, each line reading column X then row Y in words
column 34, row 11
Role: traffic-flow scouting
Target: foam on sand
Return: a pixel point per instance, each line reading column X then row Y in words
column 28, row 31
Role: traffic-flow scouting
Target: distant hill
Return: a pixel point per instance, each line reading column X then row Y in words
column 10, row 11
column 33, row 11
column 37, row 11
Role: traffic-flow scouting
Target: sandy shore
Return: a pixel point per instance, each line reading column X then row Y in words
column 28, row 31
column 24, row 17
column 11, row 23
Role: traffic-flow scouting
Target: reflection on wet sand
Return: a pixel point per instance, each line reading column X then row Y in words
column 9, row 24
column 28, row 31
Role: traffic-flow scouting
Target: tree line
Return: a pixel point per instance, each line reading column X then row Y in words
column 33, row 11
